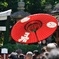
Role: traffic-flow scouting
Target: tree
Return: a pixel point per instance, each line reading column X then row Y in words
column 33, row 6
column 8, row 4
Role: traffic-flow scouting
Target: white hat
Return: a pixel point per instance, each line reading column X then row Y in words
column 14, row 53
column 29, row 52
column 51, row 45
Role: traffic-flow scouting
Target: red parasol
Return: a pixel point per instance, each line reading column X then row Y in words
column 34, row 28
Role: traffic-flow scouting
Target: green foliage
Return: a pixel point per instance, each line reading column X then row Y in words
column 1, row 39
column 24, row 47
column 38, row 6
column 8, row 4
column 31, row 6
column 5, row 4
column 10, row 47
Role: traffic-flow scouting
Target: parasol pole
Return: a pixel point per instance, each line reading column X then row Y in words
column 36, row 36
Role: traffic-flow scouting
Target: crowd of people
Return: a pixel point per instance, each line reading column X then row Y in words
column 50, row 51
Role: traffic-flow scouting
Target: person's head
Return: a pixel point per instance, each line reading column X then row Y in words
column 54, row 54
column 29, row 55
column 18, row 51
column 51, row 46
column 44, row 49
column 36, row 52
column 13, row 55
column 21, row 56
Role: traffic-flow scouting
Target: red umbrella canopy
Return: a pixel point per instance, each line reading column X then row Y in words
column 34, row 28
